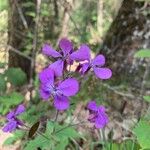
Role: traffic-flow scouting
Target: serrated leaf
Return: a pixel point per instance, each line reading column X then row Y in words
column 68, row 132
column 38, row 142
column 16, row 76
column 49, row 127
column 142, row 132
column 146, row 98
column 33, row 129
column 144, row 53
column 2, row 83
column 62, row 144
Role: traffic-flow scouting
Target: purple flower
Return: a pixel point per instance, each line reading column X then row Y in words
column 96, row 64
column 97, row 115
column 60, row 91
column 62, row 57
column 13, row 121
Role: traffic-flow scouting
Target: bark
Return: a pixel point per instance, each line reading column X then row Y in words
column 125, row 36
column 18, row 26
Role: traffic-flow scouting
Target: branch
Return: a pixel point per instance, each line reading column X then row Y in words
column 21, row 15
column 129, row 95
column 10, row 48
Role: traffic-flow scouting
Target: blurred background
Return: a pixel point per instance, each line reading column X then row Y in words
column 115, row 28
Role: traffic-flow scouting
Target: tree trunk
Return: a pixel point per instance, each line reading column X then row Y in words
column 19, row 25
column 125, row 36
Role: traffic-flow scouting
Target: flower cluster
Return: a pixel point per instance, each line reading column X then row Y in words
column 62, row 90
column 13, row 121
column 66, row 57
column 98, row 115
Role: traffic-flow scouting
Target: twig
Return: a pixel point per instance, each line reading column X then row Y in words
column 21, row 15
column 76, row 143
column 129, row 95
column 35, row 42
column 10, row 48
column 70, row 16
column 56, row 117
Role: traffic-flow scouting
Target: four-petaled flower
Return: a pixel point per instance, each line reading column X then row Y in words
column 96, row 64
column 98, row 115
column 60, row 91
column 62, row 57
column 13, row 121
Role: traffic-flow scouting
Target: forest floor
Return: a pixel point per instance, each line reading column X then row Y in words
column 3, row 137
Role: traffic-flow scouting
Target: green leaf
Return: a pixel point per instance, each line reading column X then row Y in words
column 38, row 142
column 68, row 132
column 3, row 5
column 31, row 13
column 28, row 4
column 2, row 83
column 9, row 141
column 18, row 134
column 49, row 128
column 62, row 144
column 11, row 100
column 146, row 98
column 142, row 132
column 143, row 53
column 16, row 76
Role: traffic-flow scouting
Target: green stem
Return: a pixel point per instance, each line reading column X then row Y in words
column 70, row 125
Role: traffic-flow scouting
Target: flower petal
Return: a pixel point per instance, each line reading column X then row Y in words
column 92, row 106
column 61, row 102
column 101, row 121
column 44, row 94
column 10, row 115
column 49, row 51
column 68, row 87
column 101, row 109
column 85, row 67
column 47, row 75
column 20, row 109
column 65, row 45
column 82, row 54
column 99, row 60
column 102, row 73
column 57, row 67
column 10, row 126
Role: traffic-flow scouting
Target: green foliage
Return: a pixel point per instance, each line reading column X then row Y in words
column 2, row 83
column 2, row 64
column 3, row 5
column 38, row 142
column 142, row 132
column 146, row 98
column 143, row 53
column 15, row 137
column 16, row 76
column 55, row 136
column 8, row 101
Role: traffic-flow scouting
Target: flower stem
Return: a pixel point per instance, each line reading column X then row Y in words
column 70, row 125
